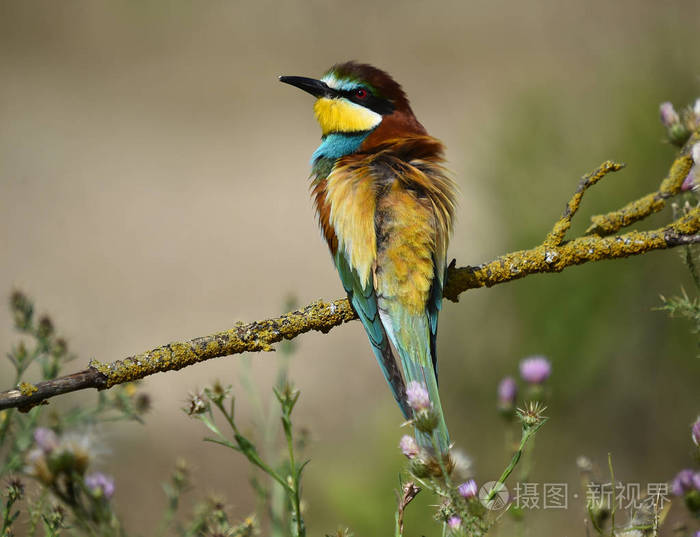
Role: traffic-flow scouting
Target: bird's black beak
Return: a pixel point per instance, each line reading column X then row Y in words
column 310, row 85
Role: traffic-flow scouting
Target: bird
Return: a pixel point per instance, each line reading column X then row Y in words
column 385, row 205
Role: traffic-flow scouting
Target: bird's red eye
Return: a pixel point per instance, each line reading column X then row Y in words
column 361, row 93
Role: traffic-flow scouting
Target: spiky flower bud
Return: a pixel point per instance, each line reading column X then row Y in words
column 409, row 446
column 54, row 520
column 417, row 396
column 218, row 392
column 535, row 369
column 468, row 489
column 22, row 310
column 45, row 328
column 15, row 490
column 426, row 421
column 532, row 415
column 421, row 467
column 196, row 404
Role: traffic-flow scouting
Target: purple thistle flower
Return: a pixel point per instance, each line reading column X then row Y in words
column 454, row 522
column 535, row 369
column 696, row 481
column 100, row 485
column 408, row 446
column 507, row 391
column 695, row 432
column 417, row 396
column 468, row 489
column 46, row 440
column 668, row 114
column 682, row 483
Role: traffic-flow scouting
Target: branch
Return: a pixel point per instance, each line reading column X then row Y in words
column 553, row 255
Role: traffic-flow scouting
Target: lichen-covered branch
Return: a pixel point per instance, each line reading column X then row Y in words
column 553, row 255
column 607, row 224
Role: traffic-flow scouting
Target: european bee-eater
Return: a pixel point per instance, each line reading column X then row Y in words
column 385, row 206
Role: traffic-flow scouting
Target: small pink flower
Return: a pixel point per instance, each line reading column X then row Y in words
column 695, row 432
column 408, row 446
column 468, row 489
column 507, row 391
column 535, row 369
column 693, row 177
column 696, row 481
column 100, row 485
column 682, row 483
column 46, row 440
column 417, row 396
column 454, row 522
column 668, row 114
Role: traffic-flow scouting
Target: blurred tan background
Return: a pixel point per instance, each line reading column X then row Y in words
column 153, row 187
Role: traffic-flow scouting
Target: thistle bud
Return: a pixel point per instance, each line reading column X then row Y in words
column 45, row 328
column 196, row 404
column 420, row 467
column 426, row 421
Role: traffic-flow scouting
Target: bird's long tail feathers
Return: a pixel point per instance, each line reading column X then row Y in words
column 389, row 366
column 412, row 341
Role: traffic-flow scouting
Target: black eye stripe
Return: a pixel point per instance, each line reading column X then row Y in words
column 371, row 101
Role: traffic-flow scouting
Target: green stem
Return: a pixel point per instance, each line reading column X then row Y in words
column 441, row 462
column 528, row 432
column 296, row 501
column 690, row 262
column 614, row 496
column 253, row 459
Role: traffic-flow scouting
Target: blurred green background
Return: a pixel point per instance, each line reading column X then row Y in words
column 153, row 187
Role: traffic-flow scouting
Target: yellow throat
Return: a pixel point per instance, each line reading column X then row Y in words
column 341, row 115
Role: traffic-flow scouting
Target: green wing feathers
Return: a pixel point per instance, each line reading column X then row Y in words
column 364, row 302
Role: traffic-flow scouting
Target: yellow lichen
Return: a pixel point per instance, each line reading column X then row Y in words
column 27, row 389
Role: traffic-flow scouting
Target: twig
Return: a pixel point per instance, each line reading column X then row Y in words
column 408, row 492
column 553, row 255
column 607, row 224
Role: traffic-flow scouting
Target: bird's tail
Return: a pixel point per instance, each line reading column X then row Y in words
column 425, row 376
column 413, row 343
